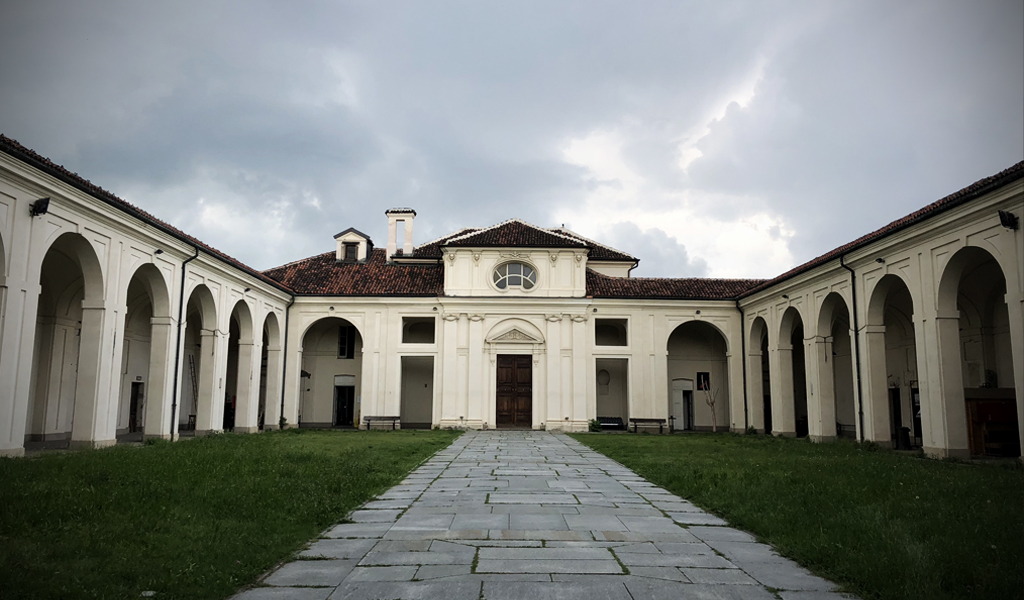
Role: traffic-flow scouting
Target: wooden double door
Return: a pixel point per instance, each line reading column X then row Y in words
column 515, row 391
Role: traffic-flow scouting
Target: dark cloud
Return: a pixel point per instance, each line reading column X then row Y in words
column 302, row 120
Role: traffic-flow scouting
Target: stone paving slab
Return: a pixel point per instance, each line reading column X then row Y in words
column 530, row 514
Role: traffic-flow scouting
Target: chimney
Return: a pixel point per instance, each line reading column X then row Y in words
column 395, row 216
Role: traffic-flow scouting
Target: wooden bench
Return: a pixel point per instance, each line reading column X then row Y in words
column 370, row 420
column 645, row 422
column 611, row 423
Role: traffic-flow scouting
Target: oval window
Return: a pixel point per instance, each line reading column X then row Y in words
column 515, row 275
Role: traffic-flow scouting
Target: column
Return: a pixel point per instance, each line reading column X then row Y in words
column 450, row 408
column 275, row 375
column 207, row 418
column 821, row 401
column 946, row 432
column 160, row 388
column 247, row 403
column 95, row 419
column 579, row 373
column 480, row 401
column 755, row 390
column 875, row 387
column 1015, row 308
column 783, row 409
column 17, row 349
column 553, row 334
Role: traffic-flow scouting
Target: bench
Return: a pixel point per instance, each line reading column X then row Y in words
column 370, row 420
column 611, row 423
column 645, row 422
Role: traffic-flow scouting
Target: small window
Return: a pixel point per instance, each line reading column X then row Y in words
column 610, row 332
column 703, row 380
column 346, row 341
column 351, row 251
column 510, row 275
column 417, row 330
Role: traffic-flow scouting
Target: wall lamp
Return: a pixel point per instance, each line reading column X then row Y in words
column 158, row 251
column 40, row 206
column 786, row 296
column 1006, row 219
column 246, row 290
column 880, row 261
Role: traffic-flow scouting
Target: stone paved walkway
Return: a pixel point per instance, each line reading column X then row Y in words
column 530, row 514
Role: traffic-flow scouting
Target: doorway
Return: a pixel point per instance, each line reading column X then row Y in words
column 682, row 403
column 515, row 391
column 344, row 405
column 134, row 406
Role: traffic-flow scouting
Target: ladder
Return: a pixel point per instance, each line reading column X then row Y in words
column 195, row 389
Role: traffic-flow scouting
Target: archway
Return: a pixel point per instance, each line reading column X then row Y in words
column 759, row 384
column 791, row 406
column 698, row 373
column 144, row 354
column 240, row 396
column 331, row 376
column 892, row 400
column 199, row 361
column 834, row 353
column 270, row 375
column 978, row 394
column 68, row 338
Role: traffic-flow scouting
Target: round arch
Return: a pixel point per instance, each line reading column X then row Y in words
column 330, row 371
column 698, row 375
column 305, row 330
column 791, row 401
column 201, row 298
column 155, row 285
column 76, row 248
column 272, row 326
column 978, row 395
column 759, row 383
column 833, row 413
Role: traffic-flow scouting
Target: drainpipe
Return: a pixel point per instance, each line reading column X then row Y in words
column 177, row 350
column 284, row 361
column 856, row 344
column 743, row 349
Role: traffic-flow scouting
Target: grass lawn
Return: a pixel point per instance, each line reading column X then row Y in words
column 883, row 525
column 193, row 519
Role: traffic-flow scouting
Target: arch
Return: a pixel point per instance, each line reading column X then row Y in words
column 790, row 393
column 503, row 331
column 269, row 411
column 66, row 366
column 833, row 413
column 977, row 398
column 152, row 279
column 892, row 396
column 330, row 346
column 241, row 393
column 759, row 376
column 135, row 392
column 202, row 342
column 697, row 352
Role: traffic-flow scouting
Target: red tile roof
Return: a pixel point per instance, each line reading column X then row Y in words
column 658, row 288
column 975, row 190
column 26, row 155
column 514, row 233
column 323, row 275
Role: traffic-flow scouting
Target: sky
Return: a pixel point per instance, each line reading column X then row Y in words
column 711, row 139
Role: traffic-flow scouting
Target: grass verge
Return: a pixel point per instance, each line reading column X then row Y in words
column 884, row 525
column 194, row 519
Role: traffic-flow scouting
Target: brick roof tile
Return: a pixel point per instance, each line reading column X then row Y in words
column 656, row 288
column 323, row 275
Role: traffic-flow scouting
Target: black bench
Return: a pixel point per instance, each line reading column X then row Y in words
column 659, row 422
column 370, row 420
column 611, row 423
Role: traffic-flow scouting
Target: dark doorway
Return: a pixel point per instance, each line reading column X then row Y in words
column 134, row 418
column 915, row 409
column 688, row 410
column 768, row 414
column 344, row 405
column 515, row 390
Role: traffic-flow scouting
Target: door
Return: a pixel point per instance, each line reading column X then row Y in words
column 344, row 405
column 682, row 403
column 515, row 391
column 134, row 416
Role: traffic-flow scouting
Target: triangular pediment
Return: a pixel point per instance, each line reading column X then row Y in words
column 515, row 335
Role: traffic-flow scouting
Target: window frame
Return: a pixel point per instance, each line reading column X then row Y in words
column 501, row 273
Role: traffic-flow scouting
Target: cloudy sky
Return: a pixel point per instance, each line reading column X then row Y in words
column 727, row 139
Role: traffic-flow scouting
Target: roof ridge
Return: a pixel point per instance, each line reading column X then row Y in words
column 512, row 220
column 596, row 243
column 447, row 236
column 301, row 260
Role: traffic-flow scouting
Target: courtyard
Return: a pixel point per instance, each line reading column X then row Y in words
column 507, row 514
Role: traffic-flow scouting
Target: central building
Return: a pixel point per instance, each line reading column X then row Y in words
column 508, row 326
